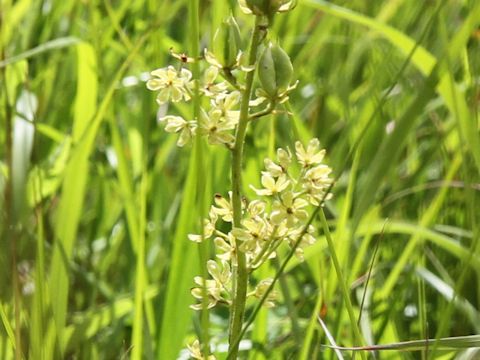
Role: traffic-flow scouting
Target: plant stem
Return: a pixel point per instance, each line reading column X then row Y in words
column 9, row 217
column 268, row 110
column 240, row 271
column 297, row 334
column 200, row 163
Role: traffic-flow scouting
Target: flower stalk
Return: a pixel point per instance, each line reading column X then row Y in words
column 240, row 271
column 196, row 99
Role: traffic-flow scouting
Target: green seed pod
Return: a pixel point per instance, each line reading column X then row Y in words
column 275, row 70
column 227, row 42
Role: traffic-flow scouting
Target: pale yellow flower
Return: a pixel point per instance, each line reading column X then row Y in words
column 276, row 6
column 224, row 207
column 220, row 273
column 272, row 186
column 226, row 104
column 273, row 168
column 195, row 350
column 225, row 249
column 214, row 288
column 252, row 232
column 307, row 239
column 216, row 128
column 315, row 182
column 284, row 157
column 312, row 155
column 210, row 87
column 262, row 288
column 170, row 84
column 256, row 208
column 213, row 61
column 208, row 228
column 177, row 124
column 290, row 209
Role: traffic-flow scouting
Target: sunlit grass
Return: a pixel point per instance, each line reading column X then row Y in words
column 97, row 200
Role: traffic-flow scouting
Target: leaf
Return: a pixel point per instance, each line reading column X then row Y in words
column 74, row 183
column 450, row 343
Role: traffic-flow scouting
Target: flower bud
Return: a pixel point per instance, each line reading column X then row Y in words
column 275, row 70
column 227, row 42
column 266, row 7
column 258, row 7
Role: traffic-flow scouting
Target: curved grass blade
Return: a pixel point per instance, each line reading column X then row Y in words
column 450, row 343
column 59, row 43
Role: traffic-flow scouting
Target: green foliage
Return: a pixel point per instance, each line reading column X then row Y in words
column 97, row 201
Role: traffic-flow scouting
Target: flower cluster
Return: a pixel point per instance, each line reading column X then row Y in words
column 216, row 123
column 280, row 215
column 216, row 288
column 222, row 88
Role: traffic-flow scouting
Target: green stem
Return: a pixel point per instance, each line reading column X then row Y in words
column 240, row 271
column 268, row 110
column 272, row 247
column 257, row 261
column 10, row 218
column 200, row 162
column 230, row 78
column 292, row 311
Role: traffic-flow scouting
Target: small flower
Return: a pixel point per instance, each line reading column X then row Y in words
column 170, row 83
column 252, row 232
column 284, row 158
column 214, row 61
column 256, row 208
column 306, row 240
column 196, row 352
column 208, row 228
column 216, row 128
column 177, row 124
column 261, row 97
column 289, row 209
column 315, row 182
column 224, row 208
column 220, row 273
column 262, row 288
column 214, row 288
column 184, row 58
column 313, row 155
column 272, row 187
column 273, row 169
column 174, row 124
column 210, row 88
column 226, row 248
column 225, row 104
column 266, row 7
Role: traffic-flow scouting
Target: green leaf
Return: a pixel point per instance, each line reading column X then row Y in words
column 450, row 343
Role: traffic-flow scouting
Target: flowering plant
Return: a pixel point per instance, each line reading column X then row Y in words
column 293, row 184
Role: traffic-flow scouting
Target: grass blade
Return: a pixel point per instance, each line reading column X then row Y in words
column 450, row 343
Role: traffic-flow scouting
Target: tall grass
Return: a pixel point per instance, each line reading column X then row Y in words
column 97, row 200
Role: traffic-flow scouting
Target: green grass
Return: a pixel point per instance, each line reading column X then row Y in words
column 97, row 200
